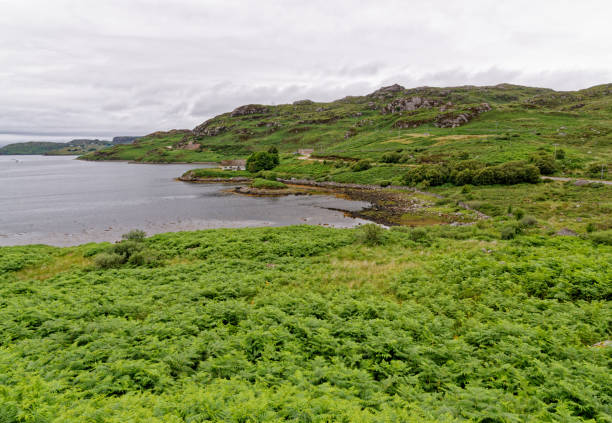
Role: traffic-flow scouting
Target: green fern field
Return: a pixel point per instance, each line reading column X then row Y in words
column 309, row 324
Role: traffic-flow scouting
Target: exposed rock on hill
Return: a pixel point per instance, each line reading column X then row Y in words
column 387, row 92
column 249, row 109
column 210, row 128
column 453, row 120
column 408, row 104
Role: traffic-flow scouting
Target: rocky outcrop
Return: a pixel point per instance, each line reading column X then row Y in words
column 249, row 109
column 566, row 232
column 387, row 92
column 453, row 120
column 409, row 104
column 210, row 128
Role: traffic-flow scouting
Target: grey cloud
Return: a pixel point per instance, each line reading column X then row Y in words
column 116, row 67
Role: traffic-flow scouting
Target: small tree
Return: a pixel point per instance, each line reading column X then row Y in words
column 261, row 160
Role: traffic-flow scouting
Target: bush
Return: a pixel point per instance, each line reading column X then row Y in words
column 528, row 222
column 371, row 234
column 361, row 165
column 261, row 160
column 418, row 235
column 126, row 248
column 134, row 235
column 143, row 258
column 109, row 260
column 560, row 154
column 508, row 232
column 595, row 169
column 507, row 174
column 590, row 227
column 391, row 158
column 269, row 175
column 544, row 162
column 385, row 183
column 518, row 213
column 603, row 237
column 433, row 174
column 267, row 184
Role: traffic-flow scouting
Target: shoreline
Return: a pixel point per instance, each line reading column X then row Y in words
column 389, row 205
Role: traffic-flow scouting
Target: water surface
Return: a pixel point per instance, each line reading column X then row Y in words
column 62, row 201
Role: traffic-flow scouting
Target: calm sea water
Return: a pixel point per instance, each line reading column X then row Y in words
column 62, row 201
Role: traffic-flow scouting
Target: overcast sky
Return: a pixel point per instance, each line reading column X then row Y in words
column 103, row 68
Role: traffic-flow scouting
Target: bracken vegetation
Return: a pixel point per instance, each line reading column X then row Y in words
column 310, row 324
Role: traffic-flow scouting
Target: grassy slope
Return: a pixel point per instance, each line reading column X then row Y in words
column 523, row 119
column 309, row 324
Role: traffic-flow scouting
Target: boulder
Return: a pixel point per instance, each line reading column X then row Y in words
column 302, row 102
column 566, row 232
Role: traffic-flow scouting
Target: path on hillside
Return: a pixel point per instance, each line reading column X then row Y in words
column 590, row 181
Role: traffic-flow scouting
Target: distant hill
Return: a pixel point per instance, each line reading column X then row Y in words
column 491, row 124
column 74, row 147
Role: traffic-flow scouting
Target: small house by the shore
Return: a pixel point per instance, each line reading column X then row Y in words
column 233, row 164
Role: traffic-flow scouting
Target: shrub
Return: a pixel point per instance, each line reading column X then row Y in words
column 361, row 165
column 508, row 232
column 528, row 222
column 391, row 158
column 109, row 260
column 385, row 183
column 261, row 160
column 595, row 169
column 518, row 213
column 544, row 162
column 266, row 174
column 143, row 258
column 418, row 235
column 507, row 174
column 371, row 234
column 267, row 184
column 463, row 177
column 560, row 154
column 134, row 235
column 433, row 174
column 602, row 237
column 590, row 227
column 126, row 248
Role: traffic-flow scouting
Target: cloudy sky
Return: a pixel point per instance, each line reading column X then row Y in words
column 98, row 68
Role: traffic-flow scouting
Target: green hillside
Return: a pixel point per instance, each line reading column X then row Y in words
column 422, row 125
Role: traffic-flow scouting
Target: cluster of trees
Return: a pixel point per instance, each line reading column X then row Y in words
column 263, row 160
column 475, row 173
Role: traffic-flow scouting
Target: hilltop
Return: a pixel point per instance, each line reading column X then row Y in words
column 493, row 124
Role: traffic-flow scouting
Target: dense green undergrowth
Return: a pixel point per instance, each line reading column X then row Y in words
column 310, row 324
